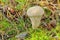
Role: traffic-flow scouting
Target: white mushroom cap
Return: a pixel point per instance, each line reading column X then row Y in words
column 35, row 13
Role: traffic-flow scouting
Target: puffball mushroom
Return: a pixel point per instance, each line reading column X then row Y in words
column 35, row 13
